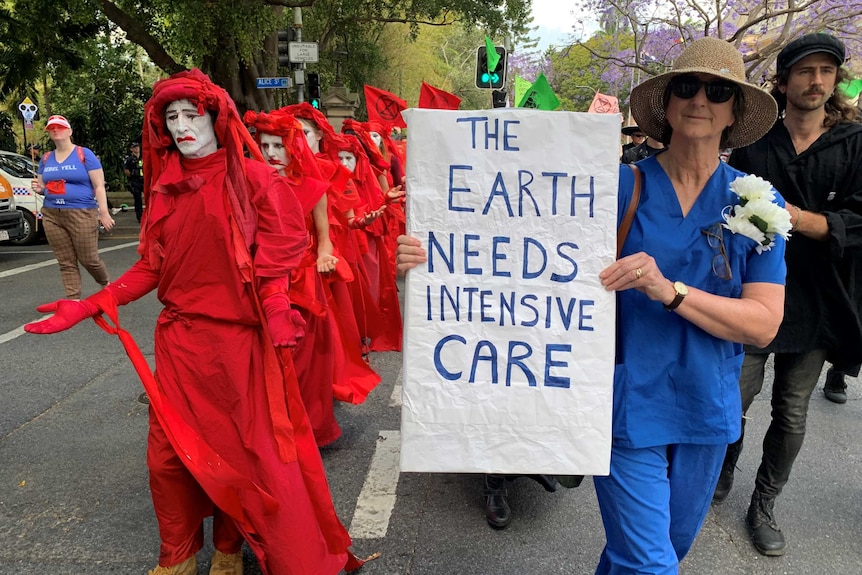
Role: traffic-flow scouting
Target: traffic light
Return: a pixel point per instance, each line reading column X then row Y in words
column 490, row 79
column 313, row 84
column 284, row 38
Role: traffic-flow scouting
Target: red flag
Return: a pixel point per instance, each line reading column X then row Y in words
column 384, row 106
column 604, row 104
column 437, row 99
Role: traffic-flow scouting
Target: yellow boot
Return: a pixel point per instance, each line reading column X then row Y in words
column 187, row 567
column 224, row 564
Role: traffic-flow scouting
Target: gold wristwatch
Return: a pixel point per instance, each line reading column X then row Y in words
column 681, row 291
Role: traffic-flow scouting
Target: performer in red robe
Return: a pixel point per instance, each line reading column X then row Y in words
column 321, row 361
column 375, row 137
column 228, row 433
column 354, row 300
column 380, row 134
column 382, row 314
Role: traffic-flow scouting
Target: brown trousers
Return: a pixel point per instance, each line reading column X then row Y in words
column 74, row 236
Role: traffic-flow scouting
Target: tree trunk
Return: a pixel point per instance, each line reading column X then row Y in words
column 240, row 80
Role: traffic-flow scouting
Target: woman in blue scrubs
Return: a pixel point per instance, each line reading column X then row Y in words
column 690, row 294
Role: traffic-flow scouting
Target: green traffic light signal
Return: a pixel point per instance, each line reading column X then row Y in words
column 316, row 103
column 490, row 79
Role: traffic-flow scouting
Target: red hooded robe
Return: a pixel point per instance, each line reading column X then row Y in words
column 223, row 398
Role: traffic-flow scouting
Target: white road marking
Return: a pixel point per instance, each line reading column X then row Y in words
column 10, row 335
column 46, row 263
column 377, row 498
column 18, row 332
column 395, row 398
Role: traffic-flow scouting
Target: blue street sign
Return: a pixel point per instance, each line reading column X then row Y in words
column 273, row 83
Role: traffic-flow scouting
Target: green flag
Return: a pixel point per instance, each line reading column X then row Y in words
column 851, row 88
column 521, row 87
column 491, row 54
column 540, row 96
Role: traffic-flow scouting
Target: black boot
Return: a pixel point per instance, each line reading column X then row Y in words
column 497, row 510
column 765, row 533
column 725, row 478
column 835, row 388
column 549, row 482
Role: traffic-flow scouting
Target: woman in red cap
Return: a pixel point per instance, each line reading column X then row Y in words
column 73, row 183
column 228, row 433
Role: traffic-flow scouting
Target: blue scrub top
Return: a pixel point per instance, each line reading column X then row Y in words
column 673, row 382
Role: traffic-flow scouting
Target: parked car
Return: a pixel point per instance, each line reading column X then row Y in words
column 11, row 220
column 19, row 171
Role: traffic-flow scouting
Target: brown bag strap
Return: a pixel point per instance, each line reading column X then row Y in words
column 626, row 224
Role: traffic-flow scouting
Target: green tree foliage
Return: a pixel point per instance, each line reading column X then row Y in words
column 442, row 57
column 235, row 42
column 105, row 106
column 7, row 135
column 38, row 37
column 577, row 74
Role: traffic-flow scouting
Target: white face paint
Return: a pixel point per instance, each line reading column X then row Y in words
column 348, row 160
column 192, row 132
column 312, row 135
column 378, row 139
column 274, row 152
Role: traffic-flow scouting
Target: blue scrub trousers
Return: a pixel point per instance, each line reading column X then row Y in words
column 653, row 504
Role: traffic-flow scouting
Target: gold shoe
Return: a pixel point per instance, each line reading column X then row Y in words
column 224, row 564
column 187, row 567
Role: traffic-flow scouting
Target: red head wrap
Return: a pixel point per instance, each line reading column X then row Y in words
column 384, row 131
column 308, row 112
column 280, row 123
column 351, row 127
column 160, row 153
column 363, row 173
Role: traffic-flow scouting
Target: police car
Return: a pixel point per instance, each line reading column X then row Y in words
column 17, row 172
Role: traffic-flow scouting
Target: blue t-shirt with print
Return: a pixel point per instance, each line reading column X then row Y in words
column 67, row 184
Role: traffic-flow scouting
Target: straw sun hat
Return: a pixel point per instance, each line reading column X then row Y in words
column 716, row 58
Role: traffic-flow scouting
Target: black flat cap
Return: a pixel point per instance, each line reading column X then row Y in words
column 629, row 130
column 811, row 44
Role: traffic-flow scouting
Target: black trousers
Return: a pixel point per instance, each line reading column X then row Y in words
column 138, row 196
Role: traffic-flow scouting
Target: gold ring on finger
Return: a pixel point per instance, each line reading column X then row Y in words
column 638, row 273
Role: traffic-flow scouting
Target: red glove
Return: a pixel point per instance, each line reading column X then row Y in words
column 68, row 312
column 286, row 326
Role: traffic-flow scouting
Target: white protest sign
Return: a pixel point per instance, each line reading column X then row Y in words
column 509, row 335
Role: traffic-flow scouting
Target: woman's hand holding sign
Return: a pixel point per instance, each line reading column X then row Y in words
column 409, row 254
column 638, row 271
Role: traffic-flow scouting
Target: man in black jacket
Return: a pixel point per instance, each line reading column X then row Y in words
column 813, row 156
column 649, row 147
column 637, row 137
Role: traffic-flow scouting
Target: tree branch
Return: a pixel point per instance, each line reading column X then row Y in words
column 137, row 34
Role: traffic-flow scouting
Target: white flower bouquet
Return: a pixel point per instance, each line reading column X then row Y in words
column 757, row 216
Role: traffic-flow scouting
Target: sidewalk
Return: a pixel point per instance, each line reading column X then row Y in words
column 126, row 226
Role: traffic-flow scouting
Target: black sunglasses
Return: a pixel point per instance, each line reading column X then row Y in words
column 687, row 87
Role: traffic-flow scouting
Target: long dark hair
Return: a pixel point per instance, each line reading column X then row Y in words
column 838, row 107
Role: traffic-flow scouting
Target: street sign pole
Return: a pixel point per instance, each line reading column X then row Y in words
column 297, row 22
column 28, row 112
